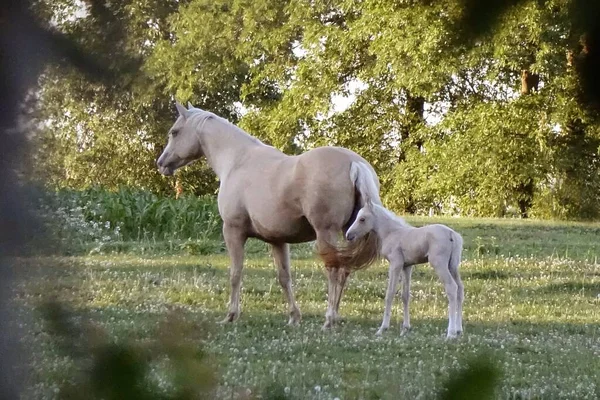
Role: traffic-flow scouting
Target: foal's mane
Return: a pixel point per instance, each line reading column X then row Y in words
column 381, row 210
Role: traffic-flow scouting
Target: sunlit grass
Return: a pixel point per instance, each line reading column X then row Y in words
column 533, row 309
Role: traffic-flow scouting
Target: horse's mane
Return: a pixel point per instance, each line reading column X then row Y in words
column 227, row 127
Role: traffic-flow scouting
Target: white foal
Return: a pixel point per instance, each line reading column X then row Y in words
column 404, row 246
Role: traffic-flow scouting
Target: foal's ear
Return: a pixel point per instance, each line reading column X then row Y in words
column 192, row 108
column 181, row 109
column 369, row 203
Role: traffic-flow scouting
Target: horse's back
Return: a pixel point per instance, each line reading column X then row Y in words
column 280, row 196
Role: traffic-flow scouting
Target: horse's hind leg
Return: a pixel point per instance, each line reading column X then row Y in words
column 235, row 239
column 440, row 264
column 281, row 256
column 342, row 278
column 336, row 276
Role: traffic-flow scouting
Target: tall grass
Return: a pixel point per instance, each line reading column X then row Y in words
column 97, row 216
column 133, row 220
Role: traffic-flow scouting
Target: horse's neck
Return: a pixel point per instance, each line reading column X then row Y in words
column 224, row 144
column 388, row 222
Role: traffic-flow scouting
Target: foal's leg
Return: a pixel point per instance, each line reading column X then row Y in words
column 406, row 275
column 440, row 264
column 281, row 256
column 235, row 239
column 460, row 295
column 393, row 276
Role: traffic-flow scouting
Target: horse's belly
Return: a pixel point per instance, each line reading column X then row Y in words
column 282, row 230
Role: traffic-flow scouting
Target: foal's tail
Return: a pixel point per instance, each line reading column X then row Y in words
column 362, row 252
column 456, row 254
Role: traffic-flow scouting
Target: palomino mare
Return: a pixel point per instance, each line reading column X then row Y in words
column 277, row 198
column 404, row 246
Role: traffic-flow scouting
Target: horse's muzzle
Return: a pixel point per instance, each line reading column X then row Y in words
column 350, row 237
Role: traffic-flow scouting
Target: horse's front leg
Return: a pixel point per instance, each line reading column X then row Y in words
column 281, row 256
column 396, row 266
column 235, row 239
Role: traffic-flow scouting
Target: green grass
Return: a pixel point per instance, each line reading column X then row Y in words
column 532, row 306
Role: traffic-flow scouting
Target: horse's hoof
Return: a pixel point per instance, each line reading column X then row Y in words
column 295, row 318
column 327, row 326
column 404, row 331
column 451, row 336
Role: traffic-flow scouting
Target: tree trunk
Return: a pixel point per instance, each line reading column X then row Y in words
column 529, row 81
column 415, row 107
column 525, row 199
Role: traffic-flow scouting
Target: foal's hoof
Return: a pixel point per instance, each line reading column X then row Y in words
column 229, row 318
column 405, row 331
column 327, row 326
column 380, row 331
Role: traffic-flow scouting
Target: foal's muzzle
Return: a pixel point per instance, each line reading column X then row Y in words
column 164, row 169
column 350, row 236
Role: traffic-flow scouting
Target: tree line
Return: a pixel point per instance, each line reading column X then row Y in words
column 492, row 124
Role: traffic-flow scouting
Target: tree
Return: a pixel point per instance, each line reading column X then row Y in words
column 430, row 101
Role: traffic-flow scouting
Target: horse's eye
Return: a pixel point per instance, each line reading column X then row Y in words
column 361, row 219
column 174, row 133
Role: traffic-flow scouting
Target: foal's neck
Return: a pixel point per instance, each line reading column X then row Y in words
column 388, row 222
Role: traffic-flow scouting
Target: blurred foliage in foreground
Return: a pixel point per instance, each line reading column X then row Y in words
column 172, row 366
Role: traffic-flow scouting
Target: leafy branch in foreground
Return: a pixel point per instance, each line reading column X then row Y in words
column 477, row 381
column 173, row 366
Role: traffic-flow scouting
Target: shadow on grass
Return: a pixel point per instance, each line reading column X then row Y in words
column 493, row 274
column 579, row 287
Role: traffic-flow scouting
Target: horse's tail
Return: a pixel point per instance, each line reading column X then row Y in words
column 365, row 182
column 361, row 253
column 456, row 252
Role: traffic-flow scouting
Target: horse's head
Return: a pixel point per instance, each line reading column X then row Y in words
column 183, row 146
column 363, row 224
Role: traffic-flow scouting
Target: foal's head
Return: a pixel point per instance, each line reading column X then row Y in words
column 363, row 224
column 183, row 146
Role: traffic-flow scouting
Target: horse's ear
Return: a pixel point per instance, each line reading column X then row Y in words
column 181, row 109
column 190, row 106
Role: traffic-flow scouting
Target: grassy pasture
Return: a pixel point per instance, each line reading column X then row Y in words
column 532, row 307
